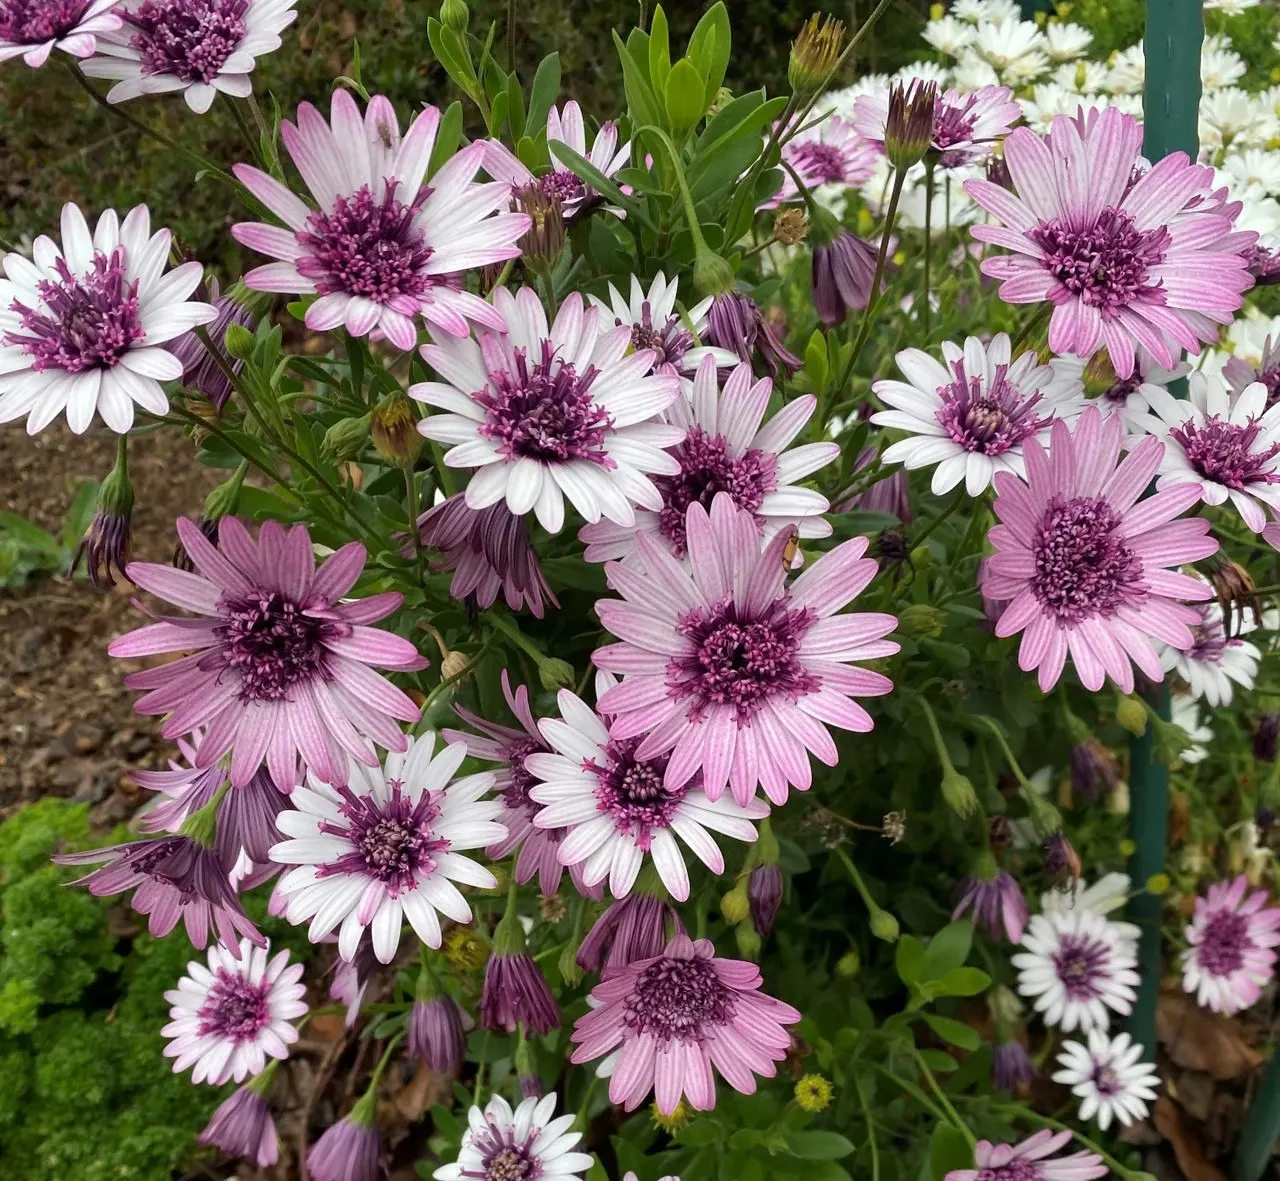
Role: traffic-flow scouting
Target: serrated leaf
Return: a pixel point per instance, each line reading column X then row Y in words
column 954, row 1033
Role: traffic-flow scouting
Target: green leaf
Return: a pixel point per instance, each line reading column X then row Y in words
column 515, row 107
column 659, row 51
column 908, row 958
column 948, row 1150
column 948, row 949
column 746, row 116
column 684, row 97
column 699, row 1134
column 452, row 53
column 718, row 172
column 709, row 48
column 963, row 982
column 815, row 362
column 939, row 1061
column 498, row 111
column 955, row 1033
column 584, row 170
column 29, row 534
column 80, row 514
column 543, row 92
column 642, row 103
column 819, row 1145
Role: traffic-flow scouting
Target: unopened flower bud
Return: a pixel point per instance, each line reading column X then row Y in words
column 105, row 544
column 240, row 341
column 712, row 275
column 848, row 965
column 1236, row 592
column 998, row 173
column 1118, row 799
column 1060, row 856
column 1266, row 737
column 542, row 242
column 922, row 619
column 570, row 970
column 909, row 129
column 764, row 893
column 748, row 941
column 814, row 55
column 393, row 430
column 1131, row 714
column 345, row 439
column 958, row 791
column 735, row 905
column 1099, row 374
column 453, row 663
column 556, row 674
column 884, row 926
column 790, row 227
column 455, row 14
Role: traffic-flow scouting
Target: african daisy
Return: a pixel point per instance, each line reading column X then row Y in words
column 33, row 29
column 1108, row 1077
column 1030, row 1161
column 1231, row 946
column 1081, row 557
column 728, row 448
column 1126, row 396
column 728, row 670
column 280, row 669
column 242, row 1127
column 964, row 125
column 1123, row 264
column 549, row 414
column 503, row 1144
column 82, row 325
column 387, row 847
column 1216, row 662
column 829, row 159
column 384, row 245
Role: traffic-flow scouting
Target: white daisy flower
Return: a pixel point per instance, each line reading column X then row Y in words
column 973, row 73
column 921, row 72
column 229, row 1017
column 1109, row 1078
column 1108, row 894
column 81, row 325
column 1127, row 396
column 949, row 35
column 1251, row 169
column 1230, row 7
column 1076, row 966
column 1232, row 117
column 501, row 1144
column 1066, row 41
column 1081, row 77
column 387, row 848
column 727, row 448
column 549, row 414
column 1215, row 664
column 199, row 47
column 1220, row 67
column 618, row 808
column 989, row 10
column 1006, row 41
column 33, row 31
column 1184, row 713
column 1128, row 71
column 972, row 416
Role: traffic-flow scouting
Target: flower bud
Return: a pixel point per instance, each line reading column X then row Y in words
column 814, row 55
column 884, row 926
column 790, row 227
column 764, row 893
column 105, row 544
column 393, row 430
column 570, row 970
column 1131, row 713
column 1118, row 799
column 240, row 341
column 735, row 905
column 542, row 242
column 455, row 14
column 748, row 941
column 556, row 674
column 345, row 439
column 922, row 619
column 848, row 965
column 958, row 791
column 909, row 129
column 1266, row 737
column 453, row 663
column 712, row 275
column 1236, row 592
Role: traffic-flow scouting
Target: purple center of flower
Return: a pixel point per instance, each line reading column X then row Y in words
column 1222, row 946
column 1271, row 379
column 670, row 342
column 1078, row 961
column 1106, row 264
column 1223, row 452
column 633, row 794
column 1210, row 642
column 706, row 467
column 562, row 185
column 681, row 999
column 1118, row 394
column 369, row 248
column 988, row 421
column 1017, row 1169
column 953, row 124
column 32, row 22
column 235, row 1008
column 272, row 643
column 510, row 1164
column 546, row 411
column 817, row 162
column 1106, row 1079
column 86, row 323
column 392, row 841
column 739, row 661
column 516, row 794
column 1084, row 567
column 188, row 39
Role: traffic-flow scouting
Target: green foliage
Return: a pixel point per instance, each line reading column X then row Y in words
column 26, row 549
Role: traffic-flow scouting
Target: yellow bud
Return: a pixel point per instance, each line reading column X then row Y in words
column 1126, row 848
column 1158, row 883
column 848, row 965
column 884, row 926
column 1132, row 715
column 735, row 906
column 936, row 12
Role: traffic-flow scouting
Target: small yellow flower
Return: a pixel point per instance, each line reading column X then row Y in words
column 464, row 949
column 670, row 1123
column 813, row 1092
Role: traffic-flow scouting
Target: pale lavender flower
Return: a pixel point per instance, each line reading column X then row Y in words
column 527, row 1143
column 351, row 1150
column 997, row 903
column 438, row 1033
column 242, row 1127
column 516, row 993
column 1232, row 940
column 636, row 927
column 1030, row 1161
column 200, row 371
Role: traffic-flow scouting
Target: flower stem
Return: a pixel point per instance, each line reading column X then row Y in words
column 956, row 501
column 412, row 505
column 936, row 1088
column 871, row 1128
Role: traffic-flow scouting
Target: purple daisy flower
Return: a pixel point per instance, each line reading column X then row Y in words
column 1029, row 1161
column 964, row 125
column 242, row 1127
column 438, row 1033
column 1231, row 953
column 1239, row 374
column 636, row 927
column 997, row 903
column 1011, row 1066
column 832, row 153
column 734, row 323
column 1124, row 264
column 280, row 667
column 200, row 47
column 844, row 270
column 516, row 993
column 729, row 671
column 1083, row 559
column 504, row 1145
column 33, row 29
column 383, row 246
column 351, row 1150
column 728, row 447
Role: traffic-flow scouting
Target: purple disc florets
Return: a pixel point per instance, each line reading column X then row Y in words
column 706, row 467
column 990, row 420
column 953, row 124
column 516, row 794
column 236, row 1008
column 272, row 642
column 394, row 840
column 1223, row 452
column 1106, row 264
column 818, row 162
column 546, row 411
column 32, row 22
column 1220, row 951
column 678, row 998
column 562, row 185
column 1084, row 566
column 509, row 1162
column 740, row 661
column 670, row 341
column 88, row 323
column 1079, row 961
column 632, row 793
column 369, row 247
column 188, row 39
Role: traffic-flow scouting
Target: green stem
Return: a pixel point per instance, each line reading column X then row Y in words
column 255, row 144
column 580, row 1120
column 686, row 197
column 943, row 757
column 960, row 497
column 871, row 1128
column 477, row 1095
column 923, row 1067
column 411, row 503
column 915, row 1092
column 509, row 628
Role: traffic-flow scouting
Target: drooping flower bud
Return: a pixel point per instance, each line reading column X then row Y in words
column 346, row 438
column 1011, row 1067
column 764, row 893
column 1236, row 592
column 394, row 431
column 556, row 674
column 909, row 128
column 843, row 274
column 541, row 244
column 221, row 502
column 1061, row 858
column 814, row 55
column 105, row 544
column 437, row 1027
column 242, row 1125
column 884, row 926
column 734, row 323
column 351, row 1150
column 1131, row 714
column 515, row 991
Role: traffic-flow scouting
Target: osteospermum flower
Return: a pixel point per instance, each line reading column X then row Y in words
column 228, row 1018
column 964, row 125
column 675, row 1016
column 973, row 416
column 637, row 927
column 1216, row 662
column 1231, row 953
column 1083, row 559
column 996, row 902
column 1109, row 1078
column 387, row 847
column 280, row 669
column 1076, row 968
column 728, row 448
column 1030, row 1161
column 1123, row 264
column 33, row 29
column 1227, row 446
column 565, row 127
column 81, row 325
column 618, row 808
column 242, row 1126
column 549, row 414
column 728, row 670
column 383, row 246
column 1126, row 396
column 500, row 1143
column 199, row 47
column 828, row 158
column 1239, row 373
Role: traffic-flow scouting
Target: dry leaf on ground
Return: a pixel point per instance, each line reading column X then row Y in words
column 1199, row 1040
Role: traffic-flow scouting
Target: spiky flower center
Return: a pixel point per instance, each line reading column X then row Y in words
column 33, row 22
column 989, row 420
column 1081, row 962
column 1227, row 453
column 86, row 322
column 1107, row 264
column 272, row 643
column 1018, row 1169
column 369, row 247
column 1084, row 565
column 819, row 163
column 235, row 1008
column 188, row 39
column 706, row 468
column 632, row 793
column 953, row 124
column 1223, row 943
column 393, row 840
column 510, row 1164
column 545, row 411
column 670, row 340
column 680, row 999
column 1210, row 642
column 561, row 185
column 739, row 660
column 516, row 794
